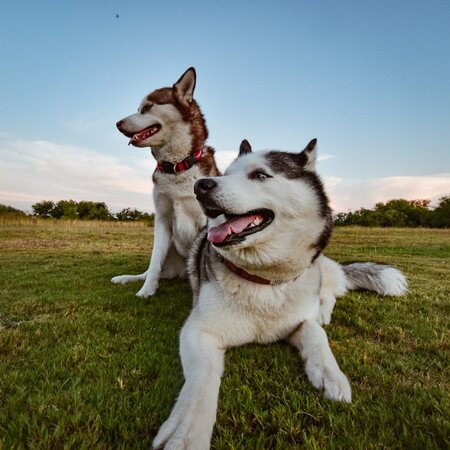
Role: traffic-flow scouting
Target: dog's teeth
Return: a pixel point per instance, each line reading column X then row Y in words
column 257, row 221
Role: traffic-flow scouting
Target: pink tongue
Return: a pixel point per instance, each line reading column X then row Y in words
column 219, row 233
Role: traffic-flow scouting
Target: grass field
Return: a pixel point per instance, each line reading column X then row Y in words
column 85, row 364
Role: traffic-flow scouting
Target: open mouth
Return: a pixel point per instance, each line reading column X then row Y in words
column 238, row 226
column 145, row 134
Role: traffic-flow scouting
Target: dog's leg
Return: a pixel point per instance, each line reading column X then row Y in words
column 175, row 265
column 161, row 244
column 333, row 285
column 327, row 302
column 123, row 279
column 191, row 421
column 320, row 365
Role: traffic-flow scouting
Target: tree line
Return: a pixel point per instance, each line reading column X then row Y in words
column 400, row 213
column 394, row 213
column 84, row 210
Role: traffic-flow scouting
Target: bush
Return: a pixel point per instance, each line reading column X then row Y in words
column 6, row 210
column 43, row 209
column 440, row 216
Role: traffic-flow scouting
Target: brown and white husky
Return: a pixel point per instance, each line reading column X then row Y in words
column 170, row 121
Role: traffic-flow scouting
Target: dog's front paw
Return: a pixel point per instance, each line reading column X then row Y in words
column 331, row 381
column 336, row 386
column 121, row 279
column 324, row 317
column 327, row 302
column 180, row 434
column 147, row 291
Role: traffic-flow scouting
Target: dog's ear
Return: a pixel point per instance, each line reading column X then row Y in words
column 308, row 156
column 244, row 148
column 184, row 87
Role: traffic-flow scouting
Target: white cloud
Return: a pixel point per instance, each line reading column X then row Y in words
column 31, row 171
column 224, row 159
column 324, row 157
column 351, row 194
column 37, row 170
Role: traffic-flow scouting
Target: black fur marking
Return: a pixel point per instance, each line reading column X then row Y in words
column 202, row 262
column 311, row 145
column 244, row 148
column 291, row 165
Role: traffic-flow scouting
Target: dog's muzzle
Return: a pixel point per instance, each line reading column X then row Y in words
column 203, row 189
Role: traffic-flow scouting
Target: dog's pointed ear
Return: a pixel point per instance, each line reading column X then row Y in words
column 308, row 156
column 184, row 87
column 245, row 148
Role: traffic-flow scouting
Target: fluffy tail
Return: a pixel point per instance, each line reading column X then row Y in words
column 383, row 279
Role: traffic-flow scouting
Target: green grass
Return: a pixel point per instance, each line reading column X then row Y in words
column 85, row 364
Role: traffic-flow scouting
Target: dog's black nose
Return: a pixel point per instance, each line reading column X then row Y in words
column 119, row 124
column 203, row 186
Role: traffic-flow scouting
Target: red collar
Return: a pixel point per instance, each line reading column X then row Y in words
column 185, row 164
column 247, row 276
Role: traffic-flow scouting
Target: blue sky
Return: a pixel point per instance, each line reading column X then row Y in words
column 370, row 80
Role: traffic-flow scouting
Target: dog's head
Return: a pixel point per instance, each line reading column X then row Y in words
column 165, row 115
column 267, row 205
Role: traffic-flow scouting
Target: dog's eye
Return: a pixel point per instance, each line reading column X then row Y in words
column 145, row 108
column 259, row 174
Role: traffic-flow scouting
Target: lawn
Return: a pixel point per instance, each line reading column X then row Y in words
column 85, row 364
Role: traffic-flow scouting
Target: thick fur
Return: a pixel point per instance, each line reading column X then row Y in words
column 178, row 217
column 231, row 311
column 384, row 280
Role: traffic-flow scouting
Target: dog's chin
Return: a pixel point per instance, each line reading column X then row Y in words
column 231, row 229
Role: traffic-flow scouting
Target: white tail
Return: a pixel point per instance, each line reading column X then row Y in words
column 383, row 279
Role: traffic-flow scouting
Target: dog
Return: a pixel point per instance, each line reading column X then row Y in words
column 258, row 274
column 170, row 121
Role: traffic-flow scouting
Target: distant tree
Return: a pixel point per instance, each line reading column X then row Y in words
column 340, row 219
column 400, row 213
column 394, row 218
column 420, row 203
column 84, row 209
column 6, row 210
column 67, row 209
column 364, row 217
column 128, row 214
column 101, row 212
column 408, row 213
column 93, row 210
column 43, row 209
column 149, row 219
column 440, row 216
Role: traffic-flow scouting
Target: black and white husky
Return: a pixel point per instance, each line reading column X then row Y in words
column 259, row 275
column 169, row 121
